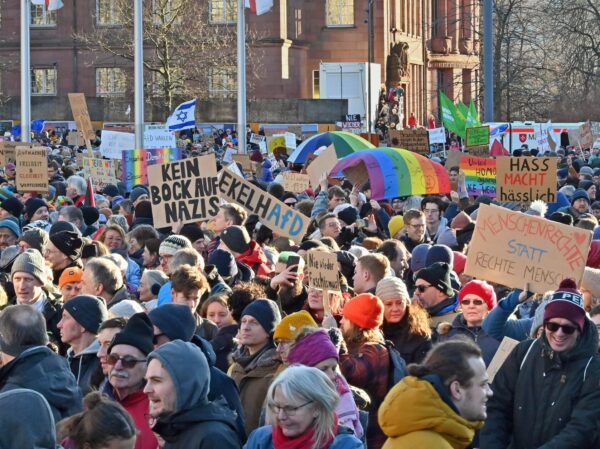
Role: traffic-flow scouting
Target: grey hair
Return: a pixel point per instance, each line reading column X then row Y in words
column 154, row 277
column 187, row 256
column 299, row 384
column 107, row 273
column 118, row 220
column 21, row 326
column 78, row 183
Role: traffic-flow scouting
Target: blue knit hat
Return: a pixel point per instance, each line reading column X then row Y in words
column 11, row 225
column 266, row 312
column 578, row 194
column 174, row 320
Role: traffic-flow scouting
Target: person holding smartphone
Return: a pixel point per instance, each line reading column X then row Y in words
column 286, row 286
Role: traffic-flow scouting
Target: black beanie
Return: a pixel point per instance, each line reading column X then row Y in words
column 174, row 320
column 32, row 205
column 438, row 275
column 348, row 215
column 266, row 312
column 192, row 231
column 13, row 206
column 138, row 332
column 90, row 215
column 236, row 238
column 68, row 242
column 143, row 210
column 89, row 311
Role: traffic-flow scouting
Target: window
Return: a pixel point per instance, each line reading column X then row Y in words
column 110, row 81
column 41, row 17
column 316, row 84
column 222, row 82
column 435, row 19
column 43, row 81
column 166, row 11
column 222, row 11
column 107, row 13
column 340, row 13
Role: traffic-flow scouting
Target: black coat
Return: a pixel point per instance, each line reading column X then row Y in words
column 412, row 347
column 543, row 399
column 224, row 344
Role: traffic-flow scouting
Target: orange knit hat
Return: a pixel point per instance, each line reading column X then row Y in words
column 71, row 274
column 364, row 310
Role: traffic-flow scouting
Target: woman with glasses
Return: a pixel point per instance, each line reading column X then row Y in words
column 476, row 299
column 301, row 404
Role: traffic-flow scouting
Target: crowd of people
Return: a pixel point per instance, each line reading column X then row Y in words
column 202, row 335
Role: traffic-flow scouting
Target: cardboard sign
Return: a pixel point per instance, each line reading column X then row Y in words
column 295, row 182
column 322, row 164
column 506, row 346
column 525, row 179
column 113, row 143
column 478, row 135
column 512, row 248
column 437, row 135
column 156, row 136
column 8, row 152
column 257, row 138
column 281, row 219
column 480, row 175
column 184, row 191
column 244, row 161
column 135, row 163
column 480, row 151
column 82, row 116
column 275, row 142
column 586, row 139
column 101, row 171
column 74, row 139
column 290, row 140
column 416, row 140
column 32, row 169
column 453, row 159
column 322, row 270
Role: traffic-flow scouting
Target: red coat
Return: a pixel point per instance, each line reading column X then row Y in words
column 255, row 258
column 138, row 406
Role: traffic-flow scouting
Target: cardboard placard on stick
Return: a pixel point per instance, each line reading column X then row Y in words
column 416, row 140
column 322, row 271
column 184, row 191
column 480, row 175
column 585, row 135
column 101, row 171
column 480, row 151
column 281, row 219
column 295, row 182
column 244, row 161
column 506, row 346
column 453, row 159
column 322, row 164
column 477, row 135
column 81, row 115
column 8, row 152
column 32, row 169
column 525, row 179
column 512, row 248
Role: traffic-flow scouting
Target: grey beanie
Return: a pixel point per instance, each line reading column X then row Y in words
column 36, row 238
column 32, row 262
column 538, row 318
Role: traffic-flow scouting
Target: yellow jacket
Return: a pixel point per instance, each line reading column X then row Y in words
column 413, row 415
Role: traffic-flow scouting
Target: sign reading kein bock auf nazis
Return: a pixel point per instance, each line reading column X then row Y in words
column 281, row 219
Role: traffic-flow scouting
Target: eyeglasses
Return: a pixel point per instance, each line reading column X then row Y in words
column 554, row 327
column 127, row 361
column 476, row 302
column 156, row 337
column 165, row 257
column 288, row 410
column 421, row 288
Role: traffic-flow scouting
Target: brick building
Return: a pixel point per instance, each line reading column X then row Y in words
column 434, row 44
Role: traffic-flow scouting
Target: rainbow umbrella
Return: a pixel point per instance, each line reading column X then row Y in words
column 394, row 172
column 345, row 143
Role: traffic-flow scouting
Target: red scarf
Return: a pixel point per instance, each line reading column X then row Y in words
column 304, row 441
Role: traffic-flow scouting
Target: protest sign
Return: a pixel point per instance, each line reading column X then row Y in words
column 480, row 175
column 295, row 182
column 453, row 159
column 233, row 167
column 101, row 171
column 82, row 116
column 324, row 162
column 8, row 152
column 244, row 161
column 585, row 135
column 512, row 248
column 113, row 143
column 506, row 346
column 525, row 179
column 322, row 269
column 275, row 142
column 157, row 136
column 290, row 140
column 32, row 169
column 257, row 138
column 437, row 135
column 574, row 137
column 135, row 163
column 281, row 219
column 184, row 191
column 416, row 140
column 476, row 136
column 74, row 138
column 479, row 151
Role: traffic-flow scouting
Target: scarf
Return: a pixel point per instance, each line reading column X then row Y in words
column 304, row 441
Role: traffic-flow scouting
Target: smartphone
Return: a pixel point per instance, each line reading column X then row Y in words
column 294, row 260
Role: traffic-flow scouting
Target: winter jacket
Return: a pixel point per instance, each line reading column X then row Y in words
column 138, row 406
column 412, row 347
column 120, row 295
column 418, row 413
column 346, row 410
column 285, row 297
column 224, row 344
column 321, row 204
column 255, row 259
column 262, row 438
column 498, row 325
column 205, row 328
column 368, row 368
column 133, row 275
column 253, row 376
column 544, row 399
column 411, row 244
column 40, row 369
column 84, row 366
column 440, row 230
column 487, row 344
column 196, row 422
column 52, row 312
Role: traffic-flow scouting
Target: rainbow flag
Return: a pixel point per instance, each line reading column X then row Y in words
column 135, row 163
column 480, row 175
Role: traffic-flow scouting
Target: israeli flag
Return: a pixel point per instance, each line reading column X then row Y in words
column 498, row 129
column 184, row 116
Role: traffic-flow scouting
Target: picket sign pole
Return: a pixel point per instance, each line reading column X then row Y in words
column 241, row 77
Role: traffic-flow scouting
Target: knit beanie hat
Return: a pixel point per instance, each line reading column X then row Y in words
column 347, row 213
column 461, row 220
column 438, row 275
column 136, row 193
column 10, row 225
column 419, row 254
column 593, row 258
column 138, row 332
column 71, row 274
column 439, row 253
column 395, row 224
column 176, row 321
column 12, row 205
column 173, row 243
column 32, row 205
column 364, row 310
column 392, row 287
column 69, row 243
column 192, row 231
column 578, row 194
column 32, row 262
column 312, row 349
column 126, row 308
column 481, row 289
column 60, row 226
column 90, row 215
column 266, row 312
column 143, row 210
column 110, row 190
column 567, row 303
column 591, row 281
column 236, row 238
column 291, row 325
column 224, row 263
column 459, row 263
column 89, row 311
column 36, row 238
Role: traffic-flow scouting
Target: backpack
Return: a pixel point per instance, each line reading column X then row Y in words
column 397, row 364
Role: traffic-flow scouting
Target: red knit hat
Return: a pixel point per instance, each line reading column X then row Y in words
column 567, row 303
column 364, row 310
column 593, row 258
column 459, row 262
column 479, row 288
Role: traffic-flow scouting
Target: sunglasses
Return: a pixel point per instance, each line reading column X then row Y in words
column 127, row 361
column 554, row 327
column 476, row 302
column 422, row 288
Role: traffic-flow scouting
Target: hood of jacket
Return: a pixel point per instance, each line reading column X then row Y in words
column 254, row 255
column 417, row 405
column 91, row 349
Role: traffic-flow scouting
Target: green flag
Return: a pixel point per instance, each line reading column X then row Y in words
column 472, row 116
column 449, row 115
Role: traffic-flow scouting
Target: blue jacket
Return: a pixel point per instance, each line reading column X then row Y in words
column 498, row 325
column 261, row 438
column 320, row 205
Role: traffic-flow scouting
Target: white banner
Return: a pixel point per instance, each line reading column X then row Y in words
column 158, row 136
column 257, row 138
column 290, row 140
column 437, row 135
column 113, row 143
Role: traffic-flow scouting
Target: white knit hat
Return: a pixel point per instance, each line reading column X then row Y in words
column 392, row 288
column 174, row 243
